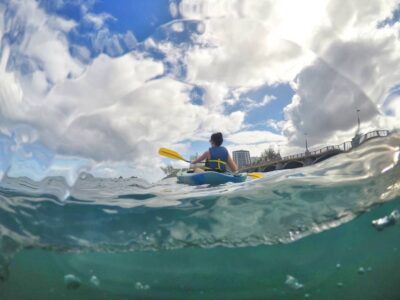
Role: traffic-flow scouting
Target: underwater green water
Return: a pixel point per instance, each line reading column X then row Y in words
column 327, row 264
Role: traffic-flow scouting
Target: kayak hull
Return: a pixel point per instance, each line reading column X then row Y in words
column 210, row 177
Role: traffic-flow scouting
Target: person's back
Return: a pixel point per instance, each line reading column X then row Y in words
column 217, row 157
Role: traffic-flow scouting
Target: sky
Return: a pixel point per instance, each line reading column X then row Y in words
column 99, row 86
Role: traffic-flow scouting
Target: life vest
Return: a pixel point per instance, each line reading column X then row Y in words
column 218, row 159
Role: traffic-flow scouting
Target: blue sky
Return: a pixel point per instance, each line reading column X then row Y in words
column 107, row 83
column 142, row 18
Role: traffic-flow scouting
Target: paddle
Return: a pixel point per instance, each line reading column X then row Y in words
column 171, row 154
column 255, row 175
column 175, row 155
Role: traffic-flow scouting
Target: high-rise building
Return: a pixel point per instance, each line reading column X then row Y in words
column 241, row 158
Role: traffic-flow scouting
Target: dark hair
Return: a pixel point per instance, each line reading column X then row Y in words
column 217, row 139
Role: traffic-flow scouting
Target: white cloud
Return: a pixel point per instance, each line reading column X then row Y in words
column 129, row 40
column 82, row 53
column 98, row 20
column 214, row 95
column 243, row 53
column 325, row 103
column 61, row 24
column 173, row 9
column 106, row 41
column 81, row 101
column 120, row 121
column 301, row 21
column 254, row 137
column 276, row 125
column 201, row 9
column 252, row 104
column 393, row 106
column 178, row 26
column 10, row 91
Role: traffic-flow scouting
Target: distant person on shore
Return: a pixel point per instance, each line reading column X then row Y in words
column 217, row 157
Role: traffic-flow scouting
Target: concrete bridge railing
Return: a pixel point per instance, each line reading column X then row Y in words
column 312, row 156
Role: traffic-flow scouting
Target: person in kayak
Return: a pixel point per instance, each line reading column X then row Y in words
column 217, row 157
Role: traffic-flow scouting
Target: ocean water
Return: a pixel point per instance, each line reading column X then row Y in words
column 304, row 233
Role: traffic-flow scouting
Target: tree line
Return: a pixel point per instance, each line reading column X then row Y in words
column 269, row 155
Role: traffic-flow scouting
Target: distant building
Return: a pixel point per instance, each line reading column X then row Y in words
column 241, row 158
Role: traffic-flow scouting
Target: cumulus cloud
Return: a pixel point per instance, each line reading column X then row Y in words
column 326, row 102
column 244, row 53
column 158, row 113
column 118, row 121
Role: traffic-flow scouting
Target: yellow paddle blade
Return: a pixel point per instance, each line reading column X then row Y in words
column 256, row 175
column 170, row 154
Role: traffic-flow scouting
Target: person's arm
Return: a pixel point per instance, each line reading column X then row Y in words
column 232, row 165
column 204, row 156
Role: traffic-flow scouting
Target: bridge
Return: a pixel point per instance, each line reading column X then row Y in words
column 312, row 157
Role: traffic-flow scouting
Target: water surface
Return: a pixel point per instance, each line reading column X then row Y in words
column 234, row 241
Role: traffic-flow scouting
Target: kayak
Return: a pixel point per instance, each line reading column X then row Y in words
column 210, row 177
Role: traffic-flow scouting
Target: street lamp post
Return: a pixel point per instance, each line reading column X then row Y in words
column 307, row 152
column 355, row 141
column 279, row 152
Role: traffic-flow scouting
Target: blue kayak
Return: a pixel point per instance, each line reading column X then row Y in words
column 210, row 177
